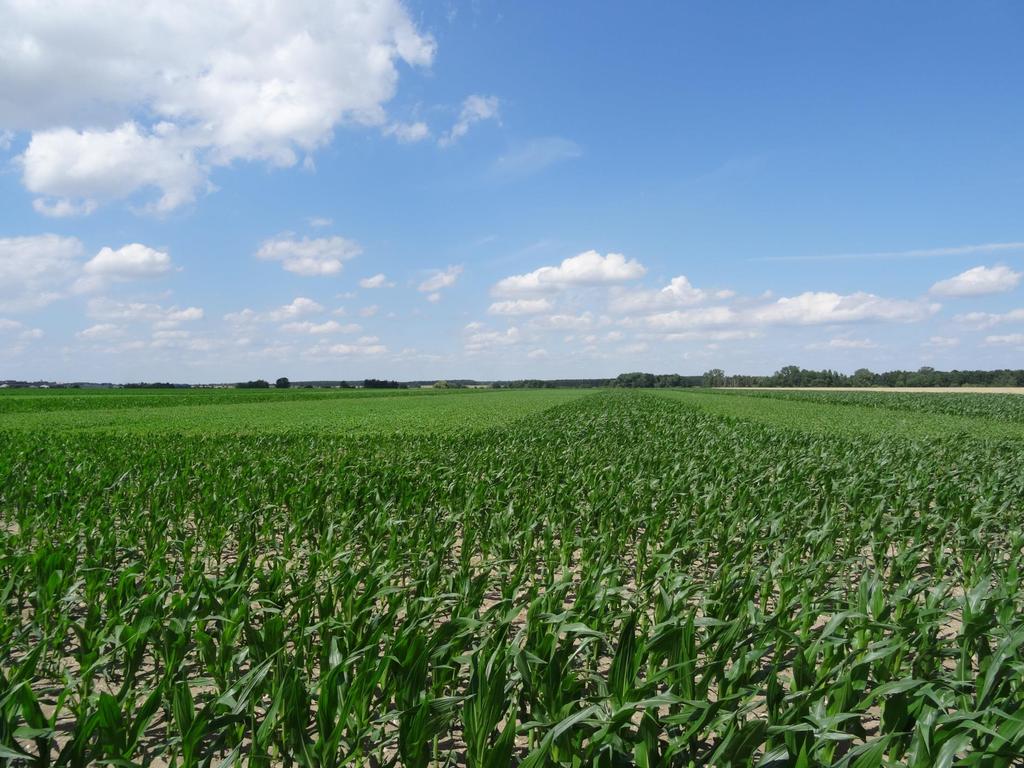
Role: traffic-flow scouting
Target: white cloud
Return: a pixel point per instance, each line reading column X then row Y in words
column 979, row 281
column 537, row 354
column 817, row 308
column 330, row 326
column 474, row 109
column 310, row 257
column 379, row 280
column 129, row 261
column 480, row 340
column 36, row 270
column 705, row 335
column 1010, row 338
column 19, row 330
column 220, row 83
column 691, row 319
column 298, row 307
column 359, row 349
column 242, row 317
column 981, row 320
column 440, row 279
column 564, row 321
column 319, row 222
column 369, row 311
column 141, row 312
column 80, row 168
column 678, row 293
column 101, row 332
column 588, row 268
column 408, row 133
column 942, row 342
column 520, row 307
column 681, row 291
column 62, row 209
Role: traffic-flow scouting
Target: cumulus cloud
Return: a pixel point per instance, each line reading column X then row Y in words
column 142, row 312
column 298, row 307
column 322, row 256
column 481, row 340
column 379, row 280
column 942, row 342
column 982, row 320
column 218, row 83
column 37, row 270
column 817, row 308
column 474, row 109
column 440, row 279
column 129, row 261
column 520, row 307
column 588, row 268
column 979, row 281
column 679, row 292
column 79, row 168
column 330, row 326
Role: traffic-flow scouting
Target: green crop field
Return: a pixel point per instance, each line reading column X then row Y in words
column 208, row 412
column 495, row 578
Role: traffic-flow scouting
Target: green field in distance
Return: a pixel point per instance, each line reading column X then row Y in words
column 248, row 411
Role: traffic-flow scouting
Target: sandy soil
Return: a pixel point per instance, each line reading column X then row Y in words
column 982, row 390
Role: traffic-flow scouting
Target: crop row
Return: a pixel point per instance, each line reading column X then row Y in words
column 979, row 405
column 619, row 580
column 49, row 401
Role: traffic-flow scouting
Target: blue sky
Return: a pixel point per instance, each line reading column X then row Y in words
column 502, row 190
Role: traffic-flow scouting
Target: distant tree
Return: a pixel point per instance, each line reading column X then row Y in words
column 257, row 384
column 714, row 378
column 863, row 377
column 282, row 383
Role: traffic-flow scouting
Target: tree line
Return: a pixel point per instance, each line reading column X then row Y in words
column 795, row 376
column 789, row 376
